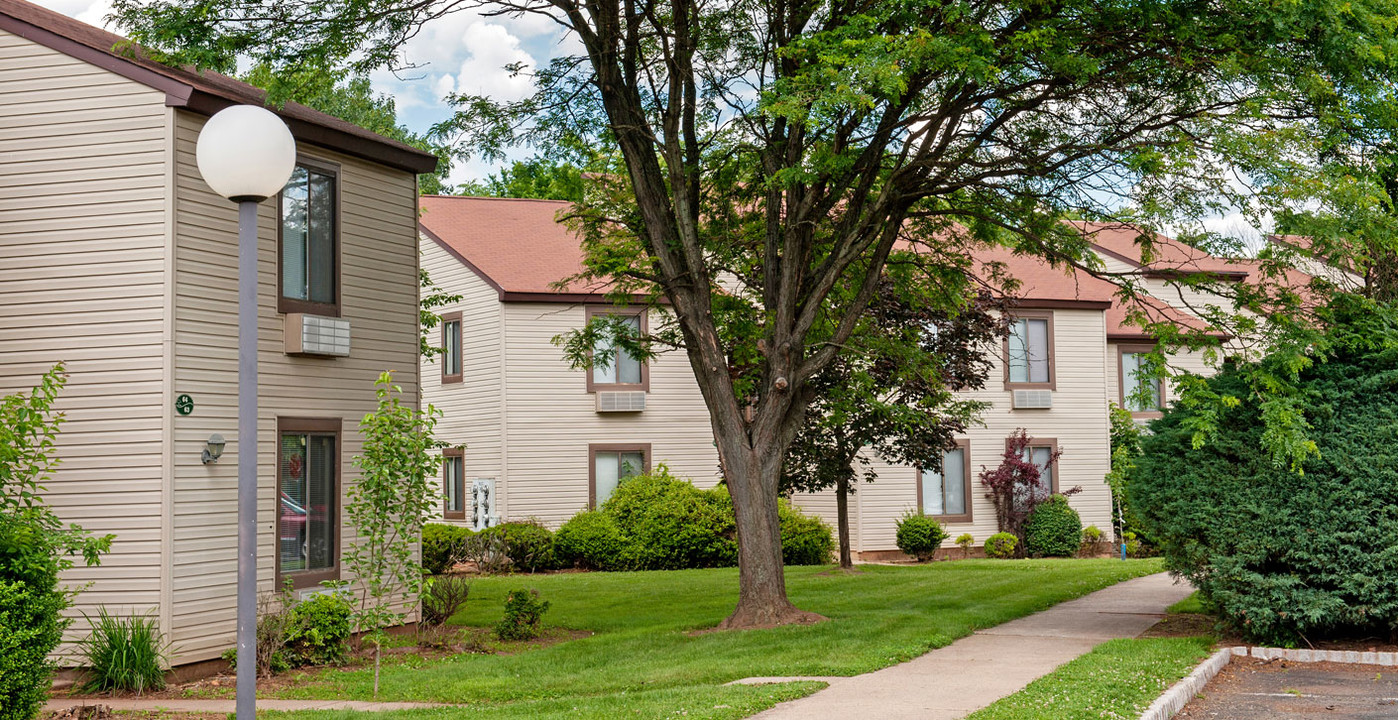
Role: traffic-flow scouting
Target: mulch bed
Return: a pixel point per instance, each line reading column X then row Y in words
column 1250, row 688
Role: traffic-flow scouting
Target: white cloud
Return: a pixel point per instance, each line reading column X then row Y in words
column 491, row 47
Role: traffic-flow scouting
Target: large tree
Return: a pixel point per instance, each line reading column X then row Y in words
column 776, row 152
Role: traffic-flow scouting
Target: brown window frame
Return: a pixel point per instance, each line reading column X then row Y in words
column 644, row 385
column 1121, row 351
column 594, row 448
column 294, row 305
column 965, row 447
column 449, row 378
column 453, row 454
column 1052, row 445
column 312, row 426
column 1052, row 383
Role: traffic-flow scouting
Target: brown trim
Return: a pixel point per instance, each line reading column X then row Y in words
column 443, row 244
column 1171, row 273
column 644, row 386
column 311, row 426
column 1052, row 445
column 1055, row 304
column 449, row 378
column 1052, row 383
column 1121, row 351
column 292, row 305
column 965, row 447
column 453, row 454
column 594, row 448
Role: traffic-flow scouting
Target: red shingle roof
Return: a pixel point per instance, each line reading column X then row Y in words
column 204, row 92
column 1164, row 255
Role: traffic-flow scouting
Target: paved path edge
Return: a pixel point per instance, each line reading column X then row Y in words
column 1178, row 695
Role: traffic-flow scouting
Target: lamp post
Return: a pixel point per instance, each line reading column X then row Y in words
column 246, row 154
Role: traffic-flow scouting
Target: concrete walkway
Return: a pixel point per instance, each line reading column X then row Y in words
column 226, row 706
column 975, row 671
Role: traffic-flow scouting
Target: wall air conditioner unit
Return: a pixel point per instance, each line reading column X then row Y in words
column 316, row 335
column 628, row 401
column 1033, row 399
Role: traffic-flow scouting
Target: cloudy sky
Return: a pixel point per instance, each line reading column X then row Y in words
column 463, row 53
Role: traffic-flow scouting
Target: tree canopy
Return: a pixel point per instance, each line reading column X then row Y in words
column 779, row 158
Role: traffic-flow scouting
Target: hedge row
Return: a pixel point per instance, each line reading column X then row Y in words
column 651, row 522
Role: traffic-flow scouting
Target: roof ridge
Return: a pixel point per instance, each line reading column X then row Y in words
column 504, row 199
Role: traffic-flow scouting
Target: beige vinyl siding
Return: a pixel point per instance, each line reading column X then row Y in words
column 551, row 418
column 1078, row 421
column 378, row 256
column 82, row 234
column 473, row 409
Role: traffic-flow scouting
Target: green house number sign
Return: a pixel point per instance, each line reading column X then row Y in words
column 184, row 404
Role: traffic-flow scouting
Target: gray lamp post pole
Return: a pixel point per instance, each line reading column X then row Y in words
column 246, row 154
column 247, row 460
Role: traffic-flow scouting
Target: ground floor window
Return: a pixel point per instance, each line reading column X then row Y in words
column 946, row 494
column 1040, row 452
column 453, row 484
column 308, row 500
column 610, row 464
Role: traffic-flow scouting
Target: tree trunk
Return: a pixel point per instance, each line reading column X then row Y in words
column 842, row 514
column 762, row 600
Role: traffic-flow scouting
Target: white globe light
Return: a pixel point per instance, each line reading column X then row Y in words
column 245, row 152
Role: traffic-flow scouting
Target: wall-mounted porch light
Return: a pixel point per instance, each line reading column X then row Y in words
column 213, row 449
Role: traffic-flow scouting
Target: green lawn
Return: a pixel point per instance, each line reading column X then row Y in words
column 642, row 657
column 1192, row 604
column 1118, row 679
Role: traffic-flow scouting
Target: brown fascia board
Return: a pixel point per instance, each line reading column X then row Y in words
column 1060, row 304
column 1167, row 273
column 181, row 94
column 499, row 291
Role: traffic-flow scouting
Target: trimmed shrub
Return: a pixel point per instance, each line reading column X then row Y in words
column 920, row 535
column 442, row 597
column 1284, row 555
column 1001, row 546
column 806, row 540
column 672, row 525
column 1053, row 529
column 965, row 541
column 123, row 654
column 524, row 611
column 592, row 540
column 528, row 545
column 30, row 622
column 442, row 546
column 319, row 631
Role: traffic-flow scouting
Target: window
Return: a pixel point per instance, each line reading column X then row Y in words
column 621, row 371
column 453, row 484
column 1140, row 390
column 308, row 500
column 309, row 241
column 1029, row 352
column 451, row 348
column 946, row 494
column 610, row 465
column 1040, row 452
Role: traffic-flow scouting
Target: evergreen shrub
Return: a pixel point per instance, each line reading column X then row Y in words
column 1053, row 529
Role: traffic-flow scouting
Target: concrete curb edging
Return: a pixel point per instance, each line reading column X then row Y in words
column 1353, row 657
column 1179, row 694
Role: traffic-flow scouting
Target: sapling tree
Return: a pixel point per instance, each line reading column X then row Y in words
column 893, row 393
column 388, row 506
column 774, row 156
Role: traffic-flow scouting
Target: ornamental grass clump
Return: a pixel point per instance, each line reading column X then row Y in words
column 126, row 654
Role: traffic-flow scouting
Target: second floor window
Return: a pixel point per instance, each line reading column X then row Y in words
column 613, row 367
column 451, row 347
column 1029, row 351
column 309, row 252
column 1140, row 388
